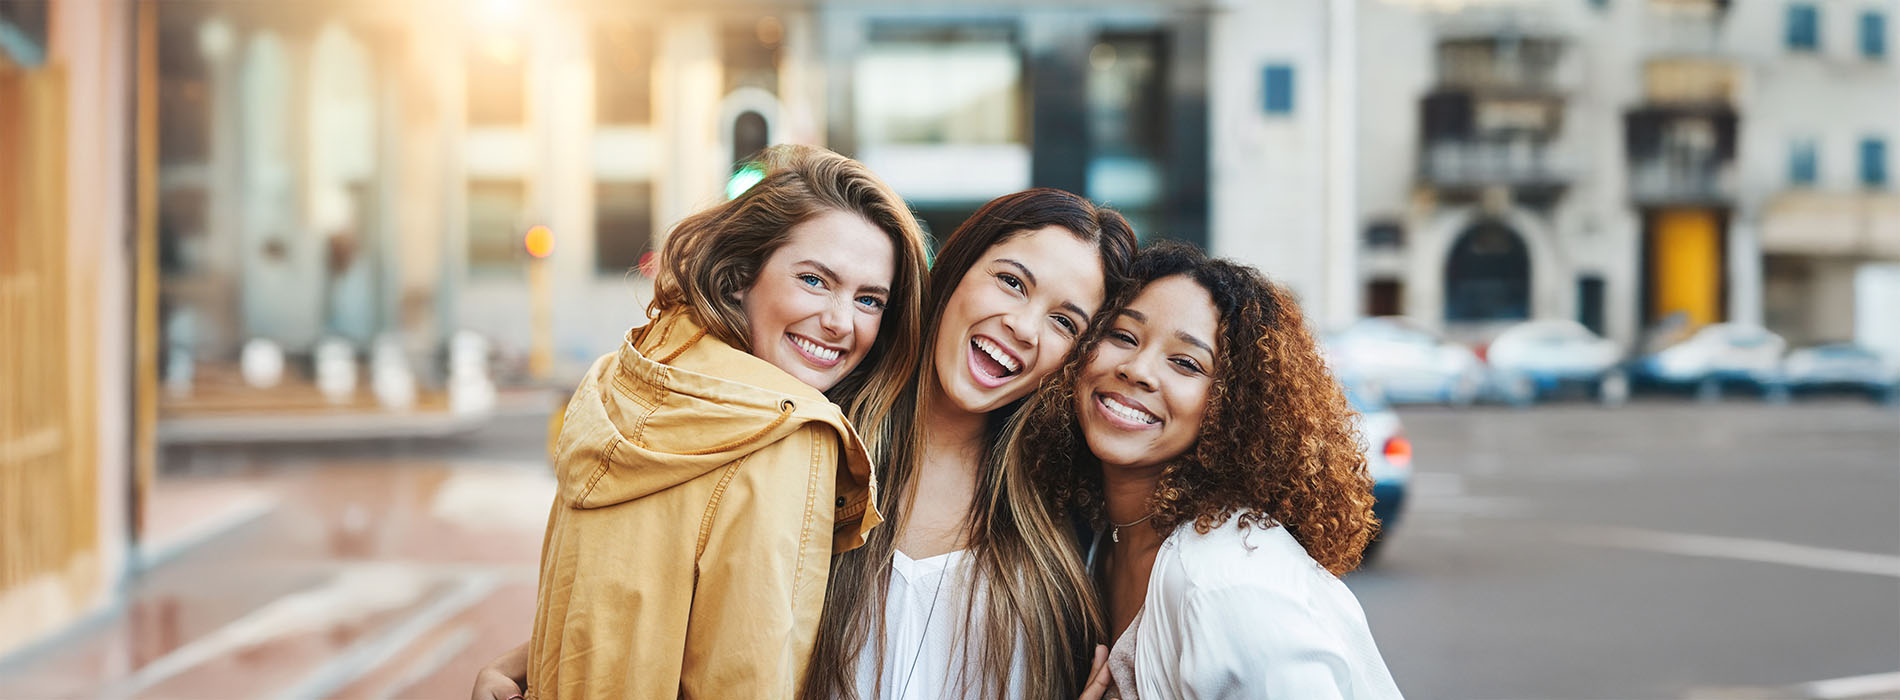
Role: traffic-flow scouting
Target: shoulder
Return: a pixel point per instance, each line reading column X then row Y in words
column 1260, row 558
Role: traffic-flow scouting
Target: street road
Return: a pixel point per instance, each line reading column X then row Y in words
column 1660, row 550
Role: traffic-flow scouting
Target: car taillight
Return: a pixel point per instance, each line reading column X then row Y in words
column 1398, row 451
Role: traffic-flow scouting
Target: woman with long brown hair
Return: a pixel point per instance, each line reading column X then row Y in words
column 1201, row 429
column 973, row 587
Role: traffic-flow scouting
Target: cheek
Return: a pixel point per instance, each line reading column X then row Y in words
column 867, row 328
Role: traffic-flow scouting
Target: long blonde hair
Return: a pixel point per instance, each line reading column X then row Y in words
column 713, row 254
column 1025, row 558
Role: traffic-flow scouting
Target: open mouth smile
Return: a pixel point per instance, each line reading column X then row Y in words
column 1125, row 412
column 990, row 364
column 816, row 353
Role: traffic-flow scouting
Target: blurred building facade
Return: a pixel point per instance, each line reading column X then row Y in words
column 1630, row 165
column 361, row 169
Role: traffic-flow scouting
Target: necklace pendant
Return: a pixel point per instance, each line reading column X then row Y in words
column 1115, row 534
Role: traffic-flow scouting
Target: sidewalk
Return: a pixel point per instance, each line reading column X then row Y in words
column 359, row 578
column 223, row 410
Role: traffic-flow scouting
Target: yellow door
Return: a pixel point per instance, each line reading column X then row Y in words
column 1686, row 265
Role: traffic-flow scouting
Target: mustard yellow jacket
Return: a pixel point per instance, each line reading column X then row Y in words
column 702, row 493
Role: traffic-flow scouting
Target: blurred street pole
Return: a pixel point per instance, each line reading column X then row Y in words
column 1342, row 235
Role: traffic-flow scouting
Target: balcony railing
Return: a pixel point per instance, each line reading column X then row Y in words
column 1485, row 162
column 1658, row 181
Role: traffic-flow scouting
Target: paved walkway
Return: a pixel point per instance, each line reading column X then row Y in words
column 357, row 578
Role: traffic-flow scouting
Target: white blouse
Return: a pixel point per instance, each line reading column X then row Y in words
column 1246, row 613
column 923, row 624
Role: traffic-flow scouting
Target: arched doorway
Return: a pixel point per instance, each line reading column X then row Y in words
column 1488, row 275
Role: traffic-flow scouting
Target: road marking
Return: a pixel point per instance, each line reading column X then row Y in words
column 1763, row 551
column 353, row 594
column 431, row 661
column 369, row 654
column 1852, row 687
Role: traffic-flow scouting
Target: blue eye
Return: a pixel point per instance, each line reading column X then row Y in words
column 811, row 280
column 872, row 302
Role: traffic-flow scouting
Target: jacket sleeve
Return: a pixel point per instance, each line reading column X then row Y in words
column 1257, row 642
column 766, row 552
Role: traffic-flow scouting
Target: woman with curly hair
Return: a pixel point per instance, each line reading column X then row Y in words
column 1202, row 429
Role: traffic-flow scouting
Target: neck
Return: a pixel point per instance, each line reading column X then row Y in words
column 951, row 431
column 1126, row 492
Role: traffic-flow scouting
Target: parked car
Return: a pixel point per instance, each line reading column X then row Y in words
column 1533, row 358
column 1402, row 362
column 1842, row 366
column 1388, row 459
column 1718, row 354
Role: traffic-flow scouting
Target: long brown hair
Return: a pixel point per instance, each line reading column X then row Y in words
column 1025, row 563
column 711, row 255
column 1277, row 445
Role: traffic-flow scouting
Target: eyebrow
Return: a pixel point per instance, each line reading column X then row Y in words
column 1196, row 342
column 1020, row 266
column 1184, row 336
column 833, row 274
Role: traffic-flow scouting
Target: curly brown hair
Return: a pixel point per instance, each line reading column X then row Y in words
column 1278, row 445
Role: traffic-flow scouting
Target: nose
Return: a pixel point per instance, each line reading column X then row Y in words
column 1021, row 326
column 835, row 320
column 1134, row 370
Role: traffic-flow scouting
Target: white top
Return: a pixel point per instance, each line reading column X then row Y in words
column 1246, row 613
column 923, row 621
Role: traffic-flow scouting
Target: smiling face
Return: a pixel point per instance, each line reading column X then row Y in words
column 1141, row 396
column 1014, row 315
column 815, row 307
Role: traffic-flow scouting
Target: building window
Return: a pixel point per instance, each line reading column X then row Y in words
column 1873, row 162
column 1803, row 163
column 495, row 215
column 1590, row 303
column 1804, row 27
column 1873, row 34
column 623, row 225
column 1277, row 84
column 623, row 73
column 1385, row 234
column 1385, row 297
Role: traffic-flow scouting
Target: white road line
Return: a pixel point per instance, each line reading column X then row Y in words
column 1853, row 687
column 1763, row 551
column 369, row 654
column 352, row 594
column 431, row 661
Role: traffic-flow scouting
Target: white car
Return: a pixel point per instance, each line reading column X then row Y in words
column 1843, row 365
column 1719, row 352
column 1399, row 361
column 1534, row 357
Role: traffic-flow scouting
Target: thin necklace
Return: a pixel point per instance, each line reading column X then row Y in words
column 1115, row 528
column 929, row 617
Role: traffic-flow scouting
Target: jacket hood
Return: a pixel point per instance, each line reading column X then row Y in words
column 674, row 403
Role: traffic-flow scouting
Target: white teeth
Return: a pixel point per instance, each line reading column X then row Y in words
column 997, row 354
column 822, row 353
column 1129, row 412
